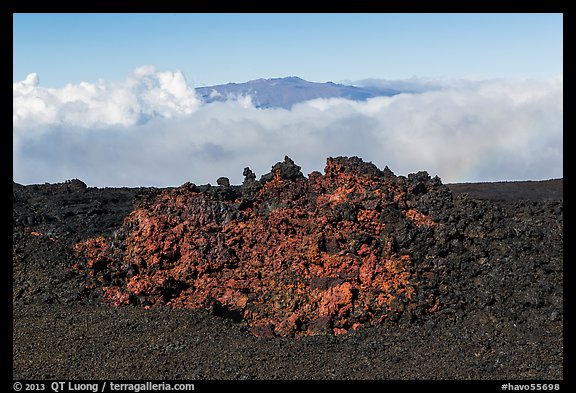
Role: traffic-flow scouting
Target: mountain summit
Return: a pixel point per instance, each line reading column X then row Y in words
column 285, row 92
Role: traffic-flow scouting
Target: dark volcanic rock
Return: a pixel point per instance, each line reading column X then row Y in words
column 391, row 248
column 354, row 227
column 399, row 263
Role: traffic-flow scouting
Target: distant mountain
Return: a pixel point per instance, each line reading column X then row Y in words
column 285, row 92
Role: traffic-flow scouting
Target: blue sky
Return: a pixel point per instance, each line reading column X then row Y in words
column 110, row 99
column 219, row 48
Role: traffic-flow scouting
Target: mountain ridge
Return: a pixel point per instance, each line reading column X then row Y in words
column 284, row 92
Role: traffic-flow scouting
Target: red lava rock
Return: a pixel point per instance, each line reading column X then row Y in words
column 288, row 255
column 266, row 331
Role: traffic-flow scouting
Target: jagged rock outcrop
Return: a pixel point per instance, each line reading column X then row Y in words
column 485, row 266
column 288, row 255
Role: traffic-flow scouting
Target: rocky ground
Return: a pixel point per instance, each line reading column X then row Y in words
column 352, row 274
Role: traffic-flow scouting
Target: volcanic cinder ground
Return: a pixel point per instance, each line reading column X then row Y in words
column 354, row 273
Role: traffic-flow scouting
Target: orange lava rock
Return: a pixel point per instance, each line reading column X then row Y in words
column 419, row 218
column 288, row 255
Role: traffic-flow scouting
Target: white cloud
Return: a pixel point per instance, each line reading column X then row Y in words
column 418, row 84
column 145, row 94
column 151, row 130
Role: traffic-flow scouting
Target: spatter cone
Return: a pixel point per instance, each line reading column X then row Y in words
column 286, row 254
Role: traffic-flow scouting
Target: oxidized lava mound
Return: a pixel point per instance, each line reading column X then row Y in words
column 288, row 255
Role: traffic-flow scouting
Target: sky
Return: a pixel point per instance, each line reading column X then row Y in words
column 214, row 49
column 109, row 98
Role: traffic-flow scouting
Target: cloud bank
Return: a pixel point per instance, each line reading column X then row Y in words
column 152, row 130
